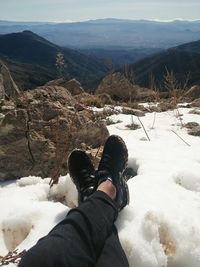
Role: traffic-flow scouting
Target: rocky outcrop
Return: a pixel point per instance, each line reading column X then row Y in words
column 118, row 87
column 40, row 128
column 8, row 88
column 73, row 86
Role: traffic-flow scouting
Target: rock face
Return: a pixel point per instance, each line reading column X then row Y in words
column 118, row 87
column 8, row 88
column 39, row 129
column 73, row 86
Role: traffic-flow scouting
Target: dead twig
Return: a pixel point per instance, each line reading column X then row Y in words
column 154, row 120
column 12, row 257
column 97, row 152
column 180, row 138
column 144, row 129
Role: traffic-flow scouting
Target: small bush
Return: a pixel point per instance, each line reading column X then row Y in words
column 133, row 126
column 102, row 115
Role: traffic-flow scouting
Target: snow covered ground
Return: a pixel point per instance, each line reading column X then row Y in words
column 160, row 227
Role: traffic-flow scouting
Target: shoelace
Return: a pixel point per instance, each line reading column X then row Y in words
column 105, row 163
column 87, row 179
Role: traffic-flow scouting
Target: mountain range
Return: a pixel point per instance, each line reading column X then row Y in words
column 111, row 33
column 32, row 60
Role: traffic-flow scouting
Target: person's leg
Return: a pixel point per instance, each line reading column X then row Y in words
column 113, row 162
column 112, row 253
column 79, row 239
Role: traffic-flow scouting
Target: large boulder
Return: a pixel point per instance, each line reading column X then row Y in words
column 73, row 86
column 39, row 129
column 118, row 87
column 8, row 88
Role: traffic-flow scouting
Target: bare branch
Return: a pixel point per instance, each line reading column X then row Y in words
column 144, row 128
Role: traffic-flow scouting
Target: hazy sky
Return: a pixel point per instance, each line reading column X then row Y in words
column 76, row 10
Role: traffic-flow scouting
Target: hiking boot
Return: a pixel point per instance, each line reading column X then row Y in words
column 112, row 165
column 82, row 172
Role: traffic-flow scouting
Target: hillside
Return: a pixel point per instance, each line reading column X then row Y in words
column 190, row 47
column 181, row 60
column 119, row 57
column 28, row 47
column 32, row 54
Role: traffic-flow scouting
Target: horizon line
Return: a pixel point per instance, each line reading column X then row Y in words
column 106, row 18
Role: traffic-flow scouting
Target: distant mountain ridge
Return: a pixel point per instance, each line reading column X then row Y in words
column 28, row 47
column 36, row 53
column 104, row 33
column 182, row 60
column 193, row 47
column 120, row 57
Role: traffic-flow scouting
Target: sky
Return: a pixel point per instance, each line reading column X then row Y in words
column 79, row 10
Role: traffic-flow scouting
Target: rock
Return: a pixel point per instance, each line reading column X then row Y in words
column 92, row 134
column 135, row 112
column 37, row 135
column 118, row 87
column 196, row 103
column 191, row 125
column 146, row 95
column 98, row 101
column 195, row 111
column 8, row 88
column 184, row 105
column 73, row 86
column 193, row 93
column 105, row 99
column 79, row 107
column 166, row 105
column 195, row 131
column 49, row 93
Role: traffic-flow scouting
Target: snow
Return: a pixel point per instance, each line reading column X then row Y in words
column 159, row 228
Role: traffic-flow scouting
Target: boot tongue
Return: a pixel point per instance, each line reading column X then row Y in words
column 103, row 176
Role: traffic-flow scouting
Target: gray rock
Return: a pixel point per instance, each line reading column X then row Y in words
column 118, row 87
column 73, row 86
column 191, row 125
column 39, row 131
column 195, row 131
column 195, row 111
column 135, row 112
